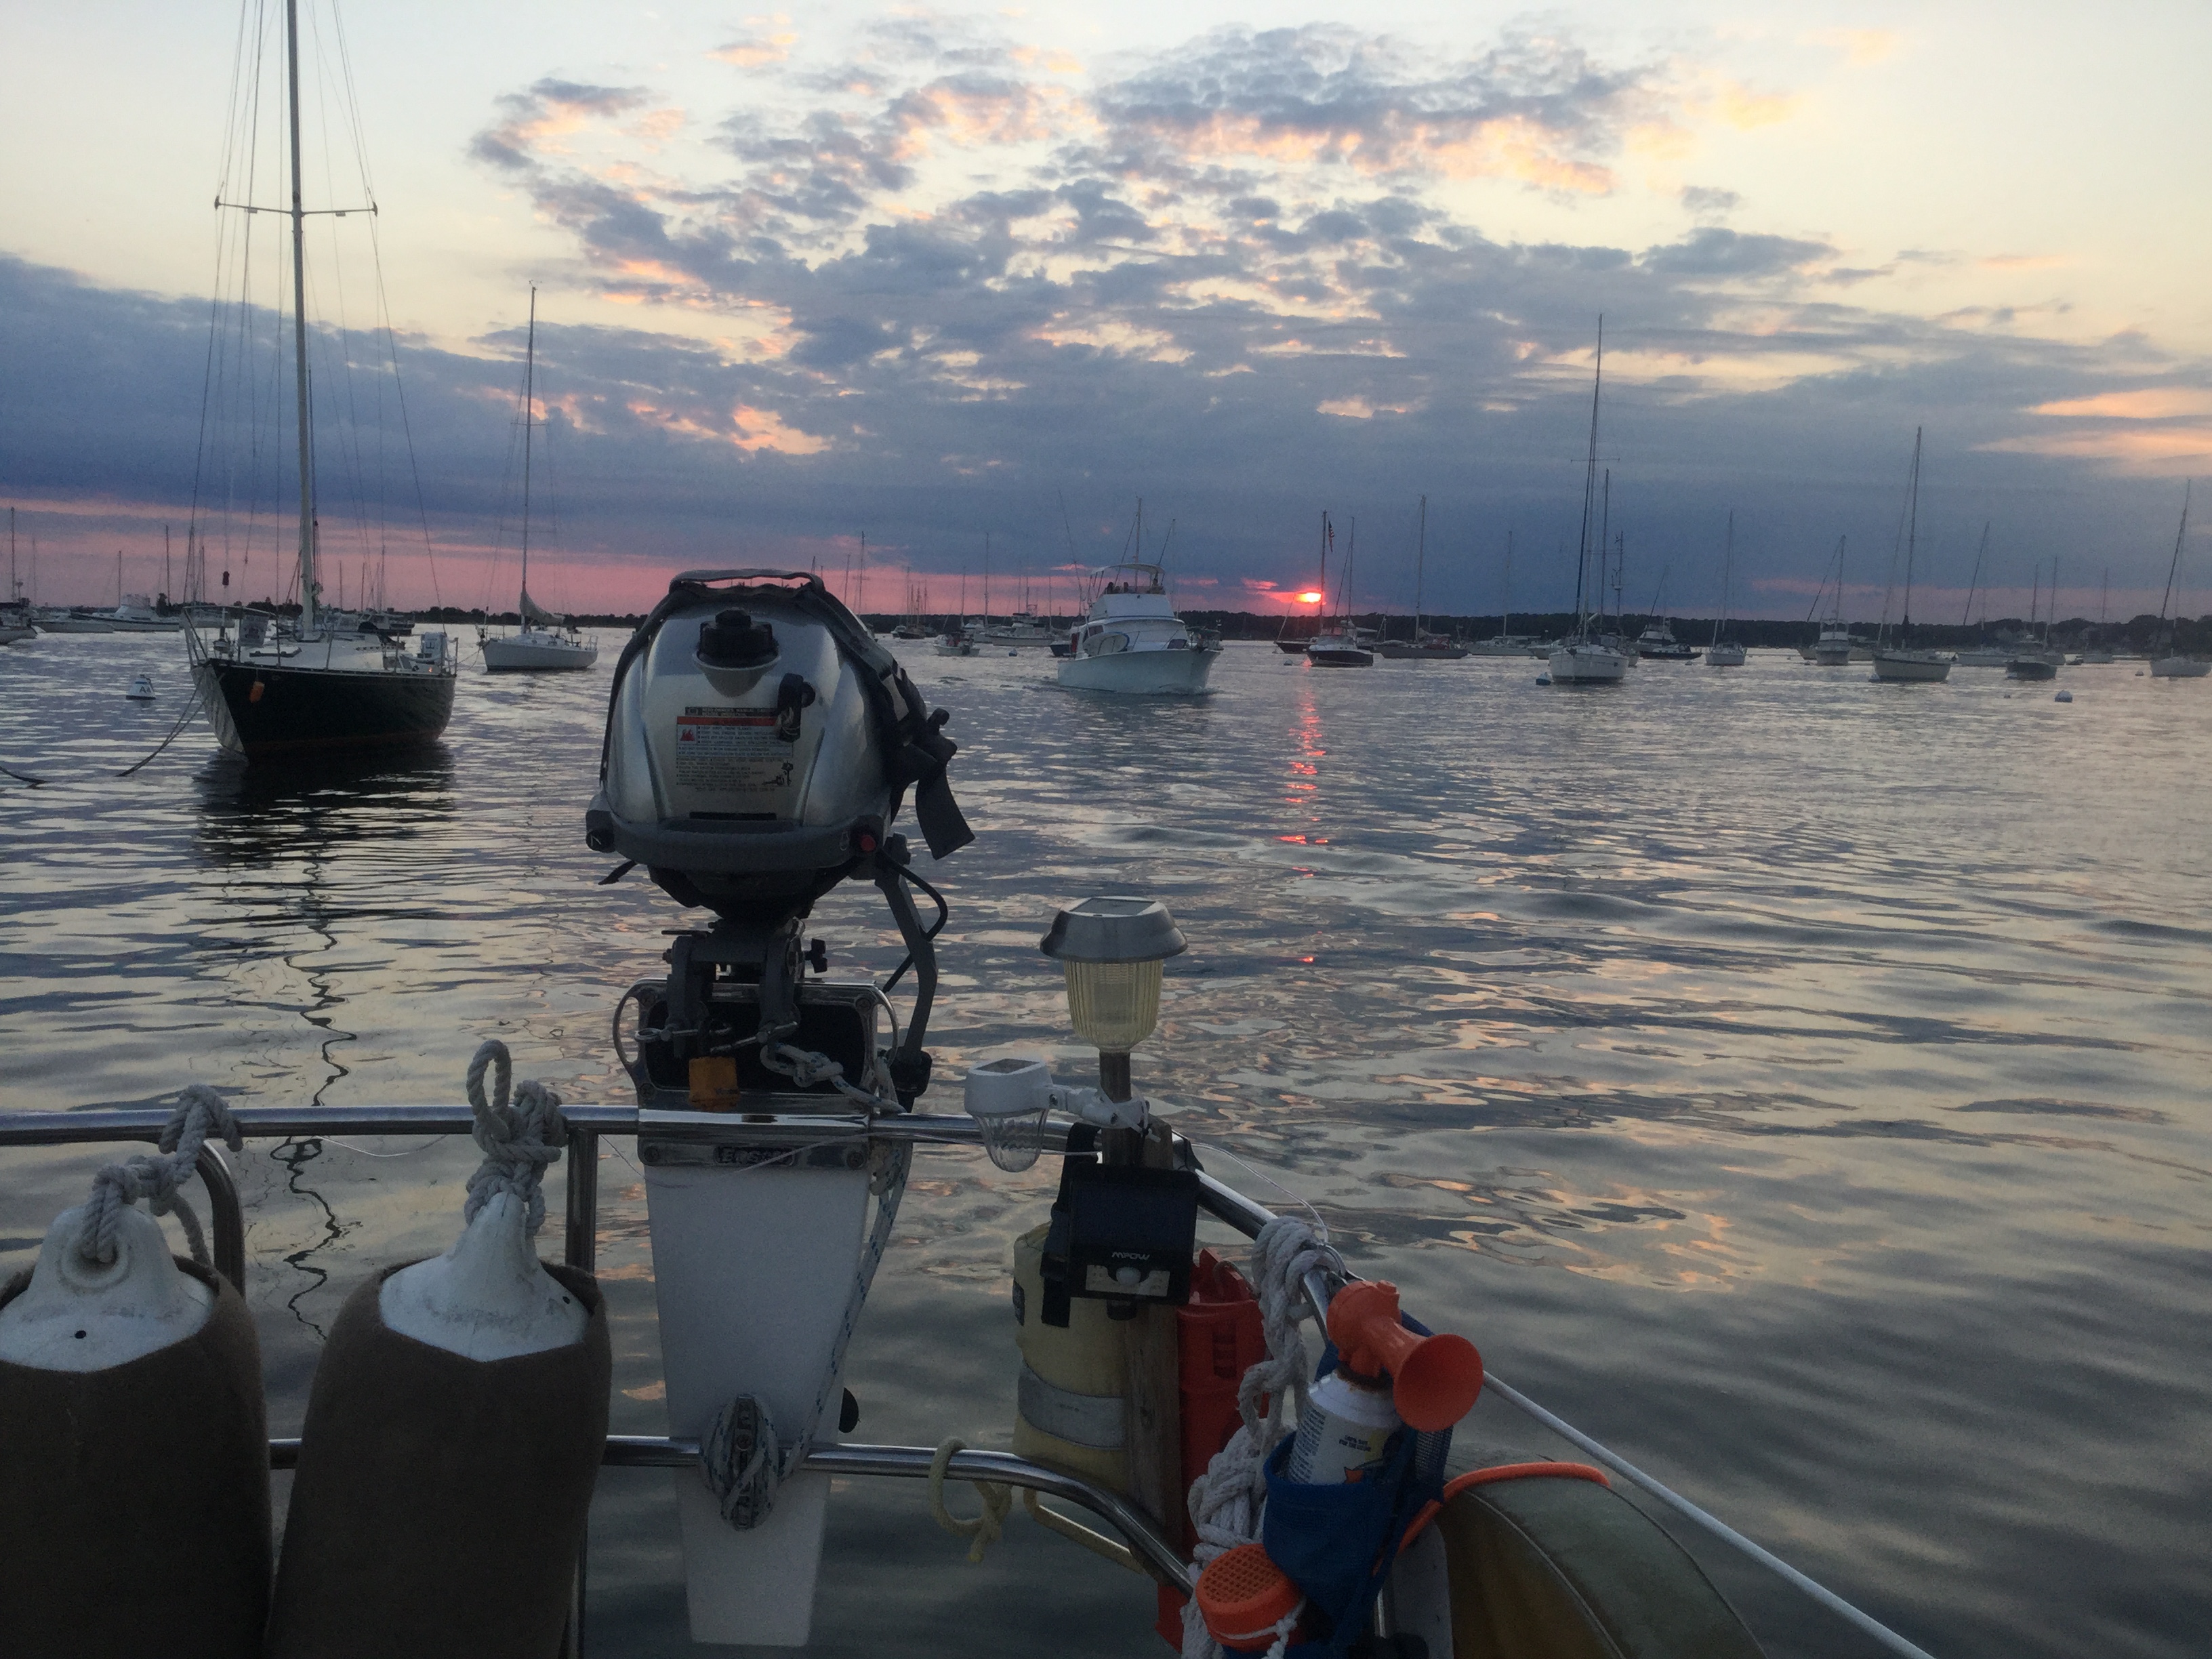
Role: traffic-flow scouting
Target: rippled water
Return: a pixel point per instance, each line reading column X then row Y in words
column 1797, row 1083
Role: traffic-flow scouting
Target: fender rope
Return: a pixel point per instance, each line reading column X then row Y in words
column 519, row 1141
column 1226, row 1502
column 984, row 1528
column 200, row 1112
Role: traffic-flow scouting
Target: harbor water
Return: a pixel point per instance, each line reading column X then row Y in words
column 1797, row 1083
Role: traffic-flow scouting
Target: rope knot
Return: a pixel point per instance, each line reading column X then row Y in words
column 519, row 1141
column 198, row 1113
column 744, row 1460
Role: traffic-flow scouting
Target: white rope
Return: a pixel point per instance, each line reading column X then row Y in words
column 200, row 1112
column 1227, row 1502
column 519, row 1141
column 742, row 1456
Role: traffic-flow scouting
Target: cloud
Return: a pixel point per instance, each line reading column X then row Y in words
column 927, row 286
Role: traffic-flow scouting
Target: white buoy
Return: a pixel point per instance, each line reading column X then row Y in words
column 134, row 1443
column 460, row 1408
column 142, row 689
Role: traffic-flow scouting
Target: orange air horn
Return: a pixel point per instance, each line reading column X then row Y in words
column 1434, row 1379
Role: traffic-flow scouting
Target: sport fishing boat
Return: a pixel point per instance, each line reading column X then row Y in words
column 303, row 685
column 544, row 643
column 2166, row 662
column 1657, row 643
column 760, row 747
column 1901, row 661
column 137, row 614
column 1131, row 641
column 1585, row 657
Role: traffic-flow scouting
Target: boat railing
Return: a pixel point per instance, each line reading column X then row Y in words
column 587, row 1124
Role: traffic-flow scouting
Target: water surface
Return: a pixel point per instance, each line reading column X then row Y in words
column 1796, row 1082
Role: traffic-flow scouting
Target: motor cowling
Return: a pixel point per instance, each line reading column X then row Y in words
column 758, row 744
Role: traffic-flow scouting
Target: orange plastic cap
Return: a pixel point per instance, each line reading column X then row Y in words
column 1434, row 1380
column 1243, row 1595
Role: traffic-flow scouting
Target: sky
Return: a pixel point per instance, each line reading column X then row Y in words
column 926, row 276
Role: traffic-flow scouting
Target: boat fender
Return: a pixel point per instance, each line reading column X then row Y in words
column 1523, row 1558
column 460, row 1405
column 1071, row 1397
column 134, row 1440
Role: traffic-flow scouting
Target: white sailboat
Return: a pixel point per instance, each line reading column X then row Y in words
column 1581, row 659
column 2166, row 663
column 544, row 643
column 1902, row 663
column 1720, row 652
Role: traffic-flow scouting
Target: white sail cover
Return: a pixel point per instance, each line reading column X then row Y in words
column 534, row 612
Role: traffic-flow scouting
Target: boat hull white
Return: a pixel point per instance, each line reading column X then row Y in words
column 1724, row 655
column 1587, row 665
column 2179, row 668
column 527, row 654
column 1157, row 673
column 1911, row 667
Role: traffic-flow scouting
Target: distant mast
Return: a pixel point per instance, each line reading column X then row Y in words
column 529, row 420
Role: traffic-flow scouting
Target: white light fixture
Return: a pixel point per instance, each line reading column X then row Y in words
column 1111, row 948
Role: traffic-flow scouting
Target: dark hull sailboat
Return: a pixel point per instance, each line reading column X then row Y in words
column 259, row 710
column 320, row 681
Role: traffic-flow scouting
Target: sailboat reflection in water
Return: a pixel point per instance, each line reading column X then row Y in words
column 272, row 684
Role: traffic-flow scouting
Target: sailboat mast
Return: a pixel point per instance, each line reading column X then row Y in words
column 1912, row 533
column 529, row 420
column 2173, row 570
column 1327, row 536
column 1967, row 616
column 1420, row 554
column 1505, row 619
column 1590, row 486
column 1728, row 569
column 300, row 329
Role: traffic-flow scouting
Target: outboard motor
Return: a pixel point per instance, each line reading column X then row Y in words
column 759, row 743
column 759, row 746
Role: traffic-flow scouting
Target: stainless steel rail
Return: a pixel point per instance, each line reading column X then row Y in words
column 641, row 1451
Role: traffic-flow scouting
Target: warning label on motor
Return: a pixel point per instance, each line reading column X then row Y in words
column 731, row 749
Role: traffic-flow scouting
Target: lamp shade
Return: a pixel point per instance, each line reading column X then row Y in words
column 1114, row 927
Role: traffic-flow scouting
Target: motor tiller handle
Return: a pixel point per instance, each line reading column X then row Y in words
column 1434, row 1379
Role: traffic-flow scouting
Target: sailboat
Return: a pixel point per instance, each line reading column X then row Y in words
column 2036, row 659
column 1720, row 652
column 1423, row 646
column 1581, row 659
column 544, row 642
column 1298, row 632
column 1505, row 642
column 2100, row 652
column 1657, row 643
column 2166, row 663
column 16, row 621
column 1901, row 662
column 311, row 688
column 1338, row 645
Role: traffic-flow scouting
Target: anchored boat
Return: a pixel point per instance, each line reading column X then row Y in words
column 1131, row 641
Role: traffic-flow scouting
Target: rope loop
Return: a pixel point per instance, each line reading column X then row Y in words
column 744, row 1460
column 199, row 1112
column 982, row 1529
column 519, row 1141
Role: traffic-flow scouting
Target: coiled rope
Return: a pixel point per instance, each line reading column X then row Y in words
column 200, row 1112
column 743, row 1456
column 519, row 1140
column 1227, row 1502
column 982, row 1529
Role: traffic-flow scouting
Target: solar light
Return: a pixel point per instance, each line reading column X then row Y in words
column 1111, row 948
